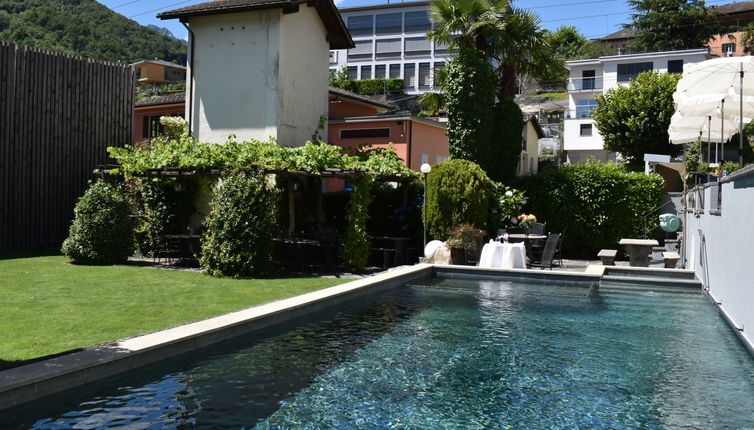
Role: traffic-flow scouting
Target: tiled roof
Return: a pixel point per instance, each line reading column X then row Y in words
column 623, row 33
column 734, row 8
column 169, row 99
column 358, row 97
column 160, row 62
column 337, row 33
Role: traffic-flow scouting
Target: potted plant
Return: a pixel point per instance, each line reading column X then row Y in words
column 465, row 243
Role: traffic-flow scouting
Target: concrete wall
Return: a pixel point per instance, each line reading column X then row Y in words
column 529, row 160
column 719, row 246
column 302, row 84
column 235, row 75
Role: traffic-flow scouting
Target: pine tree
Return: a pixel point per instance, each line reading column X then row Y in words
column 672, row 24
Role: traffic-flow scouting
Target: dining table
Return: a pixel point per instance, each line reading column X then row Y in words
column 638, row 250
column 503, row 255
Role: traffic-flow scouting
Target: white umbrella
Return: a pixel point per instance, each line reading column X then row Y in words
column 722, row 88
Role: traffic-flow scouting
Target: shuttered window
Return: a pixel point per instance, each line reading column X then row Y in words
column 388, row 48
column 362, row 51
column 389, row 23
column 379, row 71
column 424, row 77
column 360, row 25
column 417, row 46
column 409, row 78
column 417, row 22
column 366, row 72
column 395, row 71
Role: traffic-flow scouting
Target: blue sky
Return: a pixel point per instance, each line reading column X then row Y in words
column 594, row 18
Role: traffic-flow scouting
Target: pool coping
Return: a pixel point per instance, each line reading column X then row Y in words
column 37, row 380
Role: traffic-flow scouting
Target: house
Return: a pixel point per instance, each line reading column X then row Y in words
column 159, row 72
column 529, row 159
column 390, row 42
column 147, row 114
column 258, row 68
column 587, row 78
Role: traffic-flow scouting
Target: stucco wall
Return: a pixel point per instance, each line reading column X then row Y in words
column 235, row 74
column 340, row 108
column 529, row 159
column 427, row 139
column 720, row 247
column 302, row 84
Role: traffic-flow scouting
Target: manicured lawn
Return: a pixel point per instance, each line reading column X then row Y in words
column 49, row 306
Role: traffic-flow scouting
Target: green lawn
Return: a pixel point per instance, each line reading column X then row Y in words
column 49, row 306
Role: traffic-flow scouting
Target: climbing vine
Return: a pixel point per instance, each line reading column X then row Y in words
column 356, row 241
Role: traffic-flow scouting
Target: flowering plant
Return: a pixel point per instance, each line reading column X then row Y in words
column 526, row 220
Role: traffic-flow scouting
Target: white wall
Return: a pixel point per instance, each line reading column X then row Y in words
column 303, row 77
column 720, row 247
column 235, row 75
column 573, row 141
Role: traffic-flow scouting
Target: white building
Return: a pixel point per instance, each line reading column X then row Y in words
column 258, row 68
column 391, row 42
column 587, row 78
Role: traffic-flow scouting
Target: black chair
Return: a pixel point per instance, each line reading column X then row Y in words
column 537, row 228
column 560, row 245
column 536, row 245
column 548, row 253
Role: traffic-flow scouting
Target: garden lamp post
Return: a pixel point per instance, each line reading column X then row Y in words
column 425, row 169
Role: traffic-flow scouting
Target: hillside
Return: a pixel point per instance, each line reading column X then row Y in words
column 84, row 27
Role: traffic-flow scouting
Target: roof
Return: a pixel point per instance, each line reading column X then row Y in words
column 379, row 118
column 339, row 92
column 384, row 6
column 623, row 33
column 734, row 8
column 337, row 33
column 160, row 62
column 538, row 128
column 169, row 99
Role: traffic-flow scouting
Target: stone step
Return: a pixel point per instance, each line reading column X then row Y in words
column 646, row 272
column 650, row 283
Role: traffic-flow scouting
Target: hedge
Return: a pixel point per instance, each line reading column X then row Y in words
column 598, row 204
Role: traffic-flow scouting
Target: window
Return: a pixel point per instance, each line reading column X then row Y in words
column 395, row 71
column 585, row 129
column 409, row 80
column 364, row 133
column 438, row 66
column 728, row 49
column 626, row 72
column 379, row 71
column 587, row 82
column 584, row 108
column 675, row 66
column 366, row 72
column 417, row 22
column 151, row 125
column 362, row 50
column 425, row 157
column 353, row 73
column 440, row 159
column 388, row 23
column 388, row 48
column 333, row 57
column 417, row 46
column 360, row 25
column 424, row 76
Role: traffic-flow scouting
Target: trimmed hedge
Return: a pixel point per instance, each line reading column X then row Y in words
column 599, row 204
column 458, row 192
column 102, row 231
column 237, row 241
column 374, row 86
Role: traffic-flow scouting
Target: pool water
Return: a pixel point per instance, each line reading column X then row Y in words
column 450, row 354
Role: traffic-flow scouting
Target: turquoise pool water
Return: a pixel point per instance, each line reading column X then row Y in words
column 451, row 354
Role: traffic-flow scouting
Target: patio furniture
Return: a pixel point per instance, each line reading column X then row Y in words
column 638, row 250
column 607, row 256
column 503, row 255
column 548, row 253
column 392, row 248
column 558, row 253
column 670, row 259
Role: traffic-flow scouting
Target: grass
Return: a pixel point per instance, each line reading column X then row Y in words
column 553, row 96
column 50, row 306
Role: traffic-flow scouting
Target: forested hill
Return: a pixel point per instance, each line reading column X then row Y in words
column 84, row 27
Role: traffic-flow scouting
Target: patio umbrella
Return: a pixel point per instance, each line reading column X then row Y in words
column 721, row 88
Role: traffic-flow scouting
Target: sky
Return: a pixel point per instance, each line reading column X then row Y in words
column 593, row 18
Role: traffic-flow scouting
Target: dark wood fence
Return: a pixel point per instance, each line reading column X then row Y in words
column 58, row 114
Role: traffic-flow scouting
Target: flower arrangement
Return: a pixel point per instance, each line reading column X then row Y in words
column 526, row 220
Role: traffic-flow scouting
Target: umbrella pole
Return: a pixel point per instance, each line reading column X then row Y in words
column 741, row 117
column 722, row 131
column 709, row 137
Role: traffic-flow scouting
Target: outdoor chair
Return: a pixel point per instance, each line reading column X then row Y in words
column 536, row 245
column 560, row 245
column 548, row 253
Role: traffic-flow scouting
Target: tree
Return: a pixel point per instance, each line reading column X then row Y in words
column 567, row 43
column 672, row 24
column 466, row 23
column 633, row 120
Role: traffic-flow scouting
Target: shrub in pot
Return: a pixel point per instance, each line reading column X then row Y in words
column 465, row 243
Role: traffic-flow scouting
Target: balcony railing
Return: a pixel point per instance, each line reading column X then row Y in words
column 580, row 113
column 585, row 84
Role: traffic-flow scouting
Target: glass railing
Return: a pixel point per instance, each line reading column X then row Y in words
column 585, row 84
column 580, row 113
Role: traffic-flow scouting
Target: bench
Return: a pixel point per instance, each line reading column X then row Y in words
column 607, row 256
column 387, row 255
column 670, row 259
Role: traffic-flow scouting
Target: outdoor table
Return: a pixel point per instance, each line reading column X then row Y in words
column 503, row 255
column 521, row 237
column 188, row 244
column 638, row 250
column 400, row 244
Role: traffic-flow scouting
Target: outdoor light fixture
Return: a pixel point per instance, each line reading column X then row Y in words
column 425, row 169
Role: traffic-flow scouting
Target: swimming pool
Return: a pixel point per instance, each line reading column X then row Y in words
column 448, row 354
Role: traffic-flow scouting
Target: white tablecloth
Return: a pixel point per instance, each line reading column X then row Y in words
column 503, row 255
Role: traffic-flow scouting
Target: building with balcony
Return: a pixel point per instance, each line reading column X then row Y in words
column 391, row 42
column 588, row 78
column 160, row 72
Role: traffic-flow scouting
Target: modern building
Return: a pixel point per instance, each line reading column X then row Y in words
column 258, row 68
column 390, row 42
column 159, row 72
column 587, row 78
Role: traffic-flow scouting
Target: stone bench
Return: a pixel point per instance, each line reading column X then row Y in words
column 607, row 256
column 670, row 259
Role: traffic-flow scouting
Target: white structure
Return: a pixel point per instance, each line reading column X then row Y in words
column 258, row 68
column 391, row 42
column 581, row 139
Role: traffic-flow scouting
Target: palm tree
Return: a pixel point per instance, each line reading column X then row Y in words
column 466, row 23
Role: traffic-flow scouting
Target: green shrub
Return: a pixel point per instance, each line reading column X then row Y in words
column 599, row 204
column 164, row 207
column 356, row 240
column 237, row 240
column 102, row 231
column 458, row 192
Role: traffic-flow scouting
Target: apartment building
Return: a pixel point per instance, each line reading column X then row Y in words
column 588, row 78
column 391, row 42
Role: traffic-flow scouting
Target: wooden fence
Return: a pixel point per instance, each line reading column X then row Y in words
column 58, row 114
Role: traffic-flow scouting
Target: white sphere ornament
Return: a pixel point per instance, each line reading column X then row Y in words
column 425, row 168
column 431, row 247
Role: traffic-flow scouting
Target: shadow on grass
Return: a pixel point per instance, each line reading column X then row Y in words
column 11, row 255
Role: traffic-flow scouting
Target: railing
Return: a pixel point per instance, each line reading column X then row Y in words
column 585, row 84
column 584, row 113
column 645, row 218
